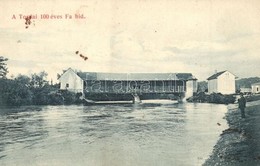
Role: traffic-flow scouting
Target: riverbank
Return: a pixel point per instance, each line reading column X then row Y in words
column 240, row 143
column 216, row 98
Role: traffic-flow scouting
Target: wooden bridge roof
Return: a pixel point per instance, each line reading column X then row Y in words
column 135, row 76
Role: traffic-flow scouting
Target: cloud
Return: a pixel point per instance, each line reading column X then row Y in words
column 136, row 36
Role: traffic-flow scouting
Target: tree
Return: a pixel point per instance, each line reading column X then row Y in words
column 3, row 68
column 14, row 93
column 23, row 79
column 39, row 80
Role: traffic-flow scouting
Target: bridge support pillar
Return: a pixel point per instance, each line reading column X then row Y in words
column 136, row 99
column 181, row 99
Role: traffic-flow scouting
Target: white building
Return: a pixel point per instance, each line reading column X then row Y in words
column 222, row 82
column 256, row 87
column 69, row 80
column 192, row 87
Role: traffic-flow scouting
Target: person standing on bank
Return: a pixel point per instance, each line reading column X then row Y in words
column 242, row 105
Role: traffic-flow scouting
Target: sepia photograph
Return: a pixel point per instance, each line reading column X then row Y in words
column 129, row 83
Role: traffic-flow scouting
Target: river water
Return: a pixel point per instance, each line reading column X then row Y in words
column 151, row 133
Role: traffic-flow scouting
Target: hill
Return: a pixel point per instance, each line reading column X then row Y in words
column 246, row 82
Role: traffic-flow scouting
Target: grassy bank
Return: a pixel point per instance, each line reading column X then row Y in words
column 240, row 143
column 253, row 97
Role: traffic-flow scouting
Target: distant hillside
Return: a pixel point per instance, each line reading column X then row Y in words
column 202, row 86
column 246, row 82
column 241, row 83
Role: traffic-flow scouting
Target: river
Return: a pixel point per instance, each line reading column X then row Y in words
column 147, row 134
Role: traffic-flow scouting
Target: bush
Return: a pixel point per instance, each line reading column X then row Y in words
column 14, row 93
column 34, row 90
column 55, row 99
column 70, row 97
column 212, row 98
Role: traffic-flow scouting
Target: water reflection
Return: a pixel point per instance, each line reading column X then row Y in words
column 118, row 134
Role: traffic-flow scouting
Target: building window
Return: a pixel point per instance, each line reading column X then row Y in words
column 67, row 85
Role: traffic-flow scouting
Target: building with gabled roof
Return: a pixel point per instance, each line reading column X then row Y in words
column 89, row 83
column 222, row 82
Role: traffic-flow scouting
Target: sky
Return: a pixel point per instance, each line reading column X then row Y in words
column 156, row 36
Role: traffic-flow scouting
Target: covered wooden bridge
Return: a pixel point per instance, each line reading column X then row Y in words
column 129, row 86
